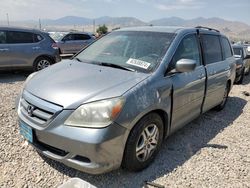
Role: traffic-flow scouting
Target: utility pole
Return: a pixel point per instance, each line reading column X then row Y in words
column 40, row 25
column 8, row 21
column 94, row 26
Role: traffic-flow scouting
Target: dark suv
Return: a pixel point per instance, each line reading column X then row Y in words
column 242, row 57
column 26, row 48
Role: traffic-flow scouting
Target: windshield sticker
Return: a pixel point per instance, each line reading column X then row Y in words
column 138, row 63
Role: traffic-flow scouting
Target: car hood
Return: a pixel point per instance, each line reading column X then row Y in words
column 71, row 83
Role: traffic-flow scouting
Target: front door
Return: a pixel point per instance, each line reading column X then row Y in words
column 188, row 87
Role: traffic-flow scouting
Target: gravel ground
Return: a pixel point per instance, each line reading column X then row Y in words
column 212, row 151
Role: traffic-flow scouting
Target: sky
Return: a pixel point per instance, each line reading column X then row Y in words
column 145, row 10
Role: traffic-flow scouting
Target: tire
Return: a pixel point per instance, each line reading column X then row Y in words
column 247, row 70
column 241, row 77
column 41, row 63
column 146, row 137
column 224, row 100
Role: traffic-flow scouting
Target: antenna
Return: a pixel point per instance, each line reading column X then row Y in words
column 8, row 21
column 40, row 24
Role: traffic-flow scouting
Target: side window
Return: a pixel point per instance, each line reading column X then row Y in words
column 212, row 48
column 37, row 38
column 238, row 52
column 82, row 37
column 68, row 37
column 187, row 49
column 227, row 48
column 2, row 37
column 17, row 37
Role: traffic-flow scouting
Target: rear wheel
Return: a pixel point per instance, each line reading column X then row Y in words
column 247, row 70
column 143, row 143
column 41, row 63
column 241, row 77
column 224, row 100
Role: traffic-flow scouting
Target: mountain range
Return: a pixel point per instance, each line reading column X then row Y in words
column 234, row 29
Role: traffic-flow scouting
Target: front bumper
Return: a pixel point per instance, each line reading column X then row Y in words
column 94, row 151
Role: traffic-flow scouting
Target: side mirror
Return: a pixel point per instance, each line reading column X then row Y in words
column 185, row 65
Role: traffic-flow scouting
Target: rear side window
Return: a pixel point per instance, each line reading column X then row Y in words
column 212, row 49
column 68, row 37
column 16, row 37
column 226, row 48
column 82, row 37
column 2, row 37
column 238, row 51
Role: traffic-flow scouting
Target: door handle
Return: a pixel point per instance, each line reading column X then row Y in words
column 35, row 48
column 4, row 49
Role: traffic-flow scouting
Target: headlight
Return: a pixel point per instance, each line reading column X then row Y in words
column 97, row 114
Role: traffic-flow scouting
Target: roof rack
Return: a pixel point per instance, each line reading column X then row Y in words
column 208, row 28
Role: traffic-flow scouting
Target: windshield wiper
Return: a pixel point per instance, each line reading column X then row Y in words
column 77, row 59
column 115, row 66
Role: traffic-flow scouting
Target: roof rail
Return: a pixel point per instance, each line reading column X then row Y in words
column 208, row 28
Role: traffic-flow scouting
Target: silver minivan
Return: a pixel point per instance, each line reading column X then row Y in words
column 114, row 103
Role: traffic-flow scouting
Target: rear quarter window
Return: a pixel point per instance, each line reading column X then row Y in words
column 211, row 48
column 37, row 38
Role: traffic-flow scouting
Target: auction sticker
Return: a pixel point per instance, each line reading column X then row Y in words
column 138, row 63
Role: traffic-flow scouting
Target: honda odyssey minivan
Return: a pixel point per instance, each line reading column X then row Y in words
column 114, row 103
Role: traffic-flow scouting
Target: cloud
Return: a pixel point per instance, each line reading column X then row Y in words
column 174, row 4
column 34, row 9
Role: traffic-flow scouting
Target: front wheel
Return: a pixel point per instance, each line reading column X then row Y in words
column 241, row 77
column 143, row 143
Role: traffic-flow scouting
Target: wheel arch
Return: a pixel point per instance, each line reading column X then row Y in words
column 46, row 56
column 164, row 116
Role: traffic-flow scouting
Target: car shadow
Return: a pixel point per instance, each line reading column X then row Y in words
column 176, row 150
column 13, row 76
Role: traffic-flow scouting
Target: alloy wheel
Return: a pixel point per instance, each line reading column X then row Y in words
column 147, row 142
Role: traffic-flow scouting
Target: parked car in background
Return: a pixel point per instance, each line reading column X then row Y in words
column 72, row 42
column 114, row 103
column 242, row 56
column 26, row 49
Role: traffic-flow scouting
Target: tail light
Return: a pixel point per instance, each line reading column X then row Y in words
column 55, row 46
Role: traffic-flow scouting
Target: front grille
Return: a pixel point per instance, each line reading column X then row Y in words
column 39, row 116
column 37, row 112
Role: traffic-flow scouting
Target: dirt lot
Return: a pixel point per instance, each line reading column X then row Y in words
column 212, row 151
